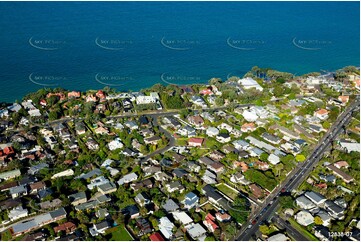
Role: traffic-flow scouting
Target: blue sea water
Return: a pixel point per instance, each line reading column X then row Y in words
column 132, row 45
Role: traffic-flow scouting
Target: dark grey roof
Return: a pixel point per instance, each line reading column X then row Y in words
column 170, row 205
column 77, row 196
column 102, row 225
column 58, row 213
column 179, row 172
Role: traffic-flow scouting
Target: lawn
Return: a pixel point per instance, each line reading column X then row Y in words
column 6, row 235
column 302, row 230
column 228, row 191
column 119, row 234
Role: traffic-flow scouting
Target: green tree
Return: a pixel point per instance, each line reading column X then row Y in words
column 318, row 220
column 264, row 229
column 53, row 115
column 286, row 202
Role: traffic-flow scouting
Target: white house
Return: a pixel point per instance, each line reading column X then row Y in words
column 250, row 116
column 182, row 217
column 18, row 212
column 115, row 144
column 304, row 218
column 273, row 159
column 68, row 172
column 249, row 82
column 225, row 126
column 212, row 131
column 166, row 227
column 304, row 203
column 128, row 178
column 145, row 100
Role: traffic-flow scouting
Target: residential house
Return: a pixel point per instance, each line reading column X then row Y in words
column 321, row 114
column 115, row 144
column 99, row 228
column 151, row 170
column 166, row 227
column 222, row 216
column 182, row 217
column 239, row 178
column 156, row 237
column 67, row 227
column 128, row 178
column 341, row 164
column 344, row 176
column 304, row 218
column 344, row 99
column 241, row 145
column 196, row 120
column 315, row 197
column 212, row 131
column 17, row 213
column 170, row 206
column 175, row 186
column 273, row 159
column 132, row 211
column 304, row 203
column 216, row 155
column 18, row 191
column 325, row 217
column 78, row 198
column 10, row 174
column 350, row 146
column 278, row 237
column 37, row 186
column 271, row 138
column 107, row 188
column 143, row 226
column 179, row 173
column 187, row 131
column 196, row 231
column 209, row 222
column 142, row 199
column 256, row 191
column 215, row 197
column 334, row 210
column 225, row 126
column 190, row 200
column 248, row 127
column 195, row 142
column 37, row 222
column 97, row 182
column 223, row 138
column 152, row 140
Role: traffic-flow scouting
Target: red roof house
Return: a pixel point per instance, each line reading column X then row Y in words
column 156, row 237
column 195, row 142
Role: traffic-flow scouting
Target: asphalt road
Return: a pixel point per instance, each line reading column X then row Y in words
column 296, row 177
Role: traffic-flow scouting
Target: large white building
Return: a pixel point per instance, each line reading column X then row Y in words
column 248, row 83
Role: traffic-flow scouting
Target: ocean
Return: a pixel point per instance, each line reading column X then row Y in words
column 133, row 45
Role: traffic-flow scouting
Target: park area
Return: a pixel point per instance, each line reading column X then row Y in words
column 118, row 233
column 229, row 192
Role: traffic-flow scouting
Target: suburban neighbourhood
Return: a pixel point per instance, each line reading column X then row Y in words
column 195, row 162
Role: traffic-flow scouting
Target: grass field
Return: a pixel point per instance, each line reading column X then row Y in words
column 6, row 235
column 302, row 230
column 228, row 191
column 119, row 234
